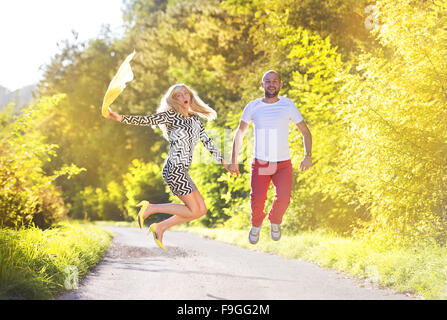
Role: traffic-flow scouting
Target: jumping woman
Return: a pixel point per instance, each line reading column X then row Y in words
column 178, row 116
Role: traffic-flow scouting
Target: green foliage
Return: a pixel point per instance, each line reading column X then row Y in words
column 394, row 116
column 27, row 193
column 143, row 182
column 35, row 264
column 94, row 204
column 341, row 20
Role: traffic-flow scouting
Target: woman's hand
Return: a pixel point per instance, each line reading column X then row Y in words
column 114, row 116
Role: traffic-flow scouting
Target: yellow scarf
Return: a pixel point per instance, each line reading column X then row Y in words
column 117, row 84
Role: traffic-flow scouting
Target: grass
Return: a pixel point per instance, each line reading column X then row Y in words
column 37, row 264
column 419, row 271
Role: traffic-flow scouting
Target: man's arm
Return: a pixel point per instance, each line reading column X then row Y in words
column 307, row 141
column 237, row 144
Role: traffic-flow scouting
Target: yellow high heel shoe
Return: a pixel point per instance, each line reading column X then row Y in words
column 153, row 228
column 143, row 204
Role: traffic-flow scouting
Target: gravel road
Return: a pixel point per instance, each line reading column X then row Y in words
column 197, row 268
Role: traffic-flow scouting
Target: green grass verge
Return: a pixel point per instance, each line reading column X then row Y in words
column 37, row 264
column 419, row 271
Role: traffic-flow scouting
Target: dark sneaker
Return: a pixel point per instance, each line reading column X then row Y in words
column 253, row 235
column 275, row 231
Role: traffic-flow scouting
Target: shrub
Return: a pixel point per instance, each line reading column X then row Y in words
column 27, row 193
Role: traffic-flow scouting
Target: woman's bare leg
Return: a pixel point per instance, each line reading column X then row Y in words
column 178, row 209
column 194, row 208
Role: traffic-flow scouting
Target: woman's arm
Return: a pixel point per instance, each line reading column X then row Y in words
column 208, row 143
column 150, row 120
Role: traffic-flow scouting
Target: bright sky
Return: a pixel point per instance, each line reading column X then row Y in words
column 30, row 29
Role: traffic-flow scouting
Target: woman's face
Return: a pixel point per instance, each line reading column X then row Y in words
column 183, row 97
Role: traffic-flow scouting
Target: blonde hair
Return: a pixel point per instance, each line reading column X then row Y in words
column 198, row 107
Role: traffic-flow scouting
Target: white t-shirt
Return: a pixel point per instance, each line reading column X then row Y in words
column 271, row 124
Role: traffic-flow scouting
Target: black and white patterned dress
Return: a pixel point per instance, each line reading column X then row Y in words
column 183, row 134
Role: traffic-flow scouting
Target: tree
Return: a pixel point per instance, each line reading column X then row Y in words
column 395, row 113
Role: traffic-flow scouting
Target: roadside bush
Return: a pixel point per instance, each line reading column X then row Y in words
column 28, row 194
column 34, row 263
column 97, row 204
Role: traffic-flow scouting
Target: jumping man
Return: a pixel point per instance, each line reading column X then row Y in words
column 271, row 116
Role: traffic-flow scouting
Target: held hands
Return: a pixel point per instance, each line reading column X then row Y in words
column 231, row 168
column 234, row 168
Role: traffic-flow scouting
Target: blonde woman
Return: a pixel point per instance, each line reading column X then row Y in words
column 179, row 119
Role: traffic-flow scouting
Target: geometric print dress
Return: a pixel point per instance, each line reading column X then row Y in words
column 183, row 134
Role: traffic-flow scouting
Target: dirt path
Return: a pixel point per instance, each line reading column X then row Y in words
column 196, row 268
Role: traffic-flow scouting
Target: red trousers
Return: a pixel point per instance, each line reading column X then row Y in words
column 262, row 172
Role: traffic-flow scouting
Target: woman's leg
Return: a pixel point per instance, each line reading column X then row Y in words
column 187, row 210
column 192, row 202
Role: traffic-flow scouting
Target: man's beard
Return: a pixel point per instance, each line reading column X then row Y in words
column 272, row 94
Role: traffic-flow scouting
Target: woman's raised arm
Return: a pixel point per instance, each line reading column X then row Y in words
column 149, row 120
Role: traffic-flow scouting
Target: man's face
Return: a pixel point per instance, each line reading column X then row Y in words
column 271, row 85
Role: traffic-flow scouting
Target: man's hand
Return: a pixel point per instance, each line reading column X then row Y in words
column 306, row 163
